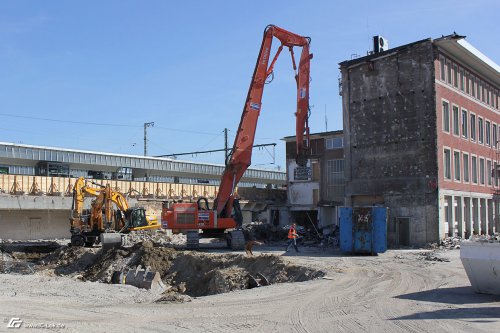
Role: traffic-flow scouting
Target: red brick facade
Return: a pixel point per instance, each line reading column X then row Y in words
column 456, row 96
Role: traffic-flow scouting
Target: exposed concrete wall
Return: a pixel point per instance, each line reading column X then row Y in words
column 303, row 194
column 390, row 135
column 15, row 202
column 421, row 209
column 34, row 224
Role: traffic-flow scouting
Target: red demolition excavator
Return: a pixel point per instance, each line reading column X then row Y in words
column 225, row 215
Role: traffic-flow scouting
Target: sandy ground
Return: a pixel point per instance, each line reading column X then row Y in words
column 398, row 291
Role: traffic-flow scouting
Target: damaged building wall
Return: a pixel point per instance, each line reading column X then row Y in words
column 390, row 139
column 314, row 196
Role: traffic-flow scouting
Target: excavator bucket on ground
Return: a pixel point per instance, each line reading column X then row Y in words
column 140, row 278
column 111, row 240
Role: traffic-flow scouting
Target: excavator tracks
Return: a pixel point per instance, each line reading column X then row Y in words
column 237, row 240
column 193, row 240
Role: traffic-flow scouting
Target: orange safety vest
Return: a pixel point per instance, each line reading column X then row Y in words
column 292, row 233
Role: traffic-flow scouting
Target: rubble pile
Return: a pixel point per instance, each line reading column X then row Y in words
column 185, row 273
column 450, row 243
column 157, row 237
column 431, row 256
column 485, row 238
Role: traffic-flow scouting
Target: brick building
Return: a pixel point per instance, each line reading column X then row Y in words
column 421, row 125
column 316, row 191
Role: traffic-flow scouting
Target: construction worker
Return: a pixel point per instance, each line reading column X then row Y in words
column 292, row 238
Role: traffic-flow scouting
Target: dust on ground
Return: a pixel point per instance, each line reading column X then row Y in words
column 399, row 290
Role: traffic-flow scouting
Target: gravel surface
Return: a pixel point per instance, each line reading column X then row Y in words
column 398, row 291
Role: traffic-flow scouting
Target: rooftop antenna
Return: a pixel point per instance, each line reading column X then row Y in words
column 326, row 121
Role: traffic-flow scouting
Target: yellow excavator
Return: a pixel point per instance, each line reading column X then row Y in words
column 105, row 224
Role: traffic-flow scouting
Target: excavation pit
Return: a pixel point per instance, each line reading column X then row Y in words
column 188, row 273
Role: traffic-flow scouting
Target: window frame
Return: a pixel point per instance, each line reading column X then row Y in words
column 332, row 141
column 480, row 130
column 442, row 60
column 473, row 134
column 487, row 132
column 466, row 173
column 473, row 85
column 489, row 171
column 456, row 131
column 447, row 164
column 473, row 169
column 465, row 125
column 443, row 116
column 462, row 79
column 467, row 83
column 455, row 75
column 494, row 132
column 448, row 72
column 482, row 179
column 457, row 167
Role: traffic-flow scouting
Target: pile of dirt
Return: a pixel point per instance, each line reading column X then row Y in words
column 208, row 274
column 184, row 272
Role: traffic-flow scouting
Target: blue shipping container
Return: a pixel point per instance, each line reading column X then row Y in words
column 363, row 229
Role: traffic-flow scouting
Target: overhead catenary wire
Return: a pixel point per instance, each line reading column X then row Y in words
column 100, row 123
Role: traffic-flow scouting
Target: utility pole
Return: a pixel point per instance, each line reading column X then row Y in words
column 225, row 146
column 146, row 125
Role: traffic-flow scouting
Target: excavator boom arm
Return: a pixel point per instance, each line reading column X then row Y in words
column 105, row 197
column 241, row 156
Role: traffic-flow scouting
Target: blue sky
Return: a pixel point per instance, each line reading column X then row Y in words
column 186, row 65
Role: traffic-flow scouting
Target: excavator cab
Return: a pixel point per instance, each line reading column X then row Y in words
column 136, row 218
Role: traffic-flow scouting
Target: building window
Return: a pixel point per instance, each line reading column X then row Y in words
column 447, row 164
column 488, row 96
column 443, row 70
column 455, row 75
column 465, row 127
column 446, row 117
column 479, row 89
column 448, row 72
column 456, row 165
column 494, row 131
column 456, row 121
column 474, row 169
column 480, row 129
column 495, row 173
column 481, row 170
column 462, row 79
column 473, row 127
column 466, row 167
column 487, row 132
column 473, row 85
column 488, row 171
column 334, row 143
column 467, row 84
column 335, row 178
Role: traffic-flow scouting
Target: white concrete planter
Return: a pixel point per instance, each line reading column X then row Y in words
column 481, row 261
